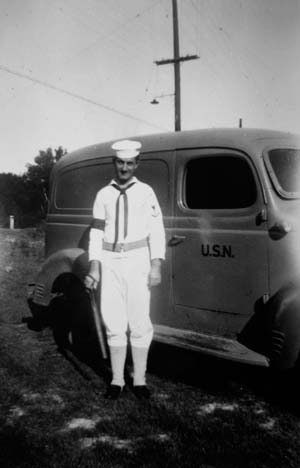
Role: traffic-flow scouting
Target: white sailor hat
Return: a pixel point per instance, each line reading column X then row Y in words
column 127, row 149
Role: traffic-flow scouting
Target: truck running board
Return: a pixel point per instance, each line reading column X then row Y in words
column 208, row 344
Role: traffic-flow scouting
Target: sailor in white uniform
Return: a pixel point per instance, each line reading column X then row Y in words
column 127, row 240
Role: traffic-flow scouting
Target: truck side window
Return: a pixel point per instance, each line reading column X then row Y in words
column 284, row 170
column 155, row 172
column 219, row 182
column 77, row 187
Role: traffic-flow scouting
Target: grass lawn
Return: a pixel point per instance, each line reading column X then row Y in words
column 204, row 413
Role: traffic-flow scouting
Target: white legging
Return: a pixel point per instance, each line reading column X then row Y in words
column 125, row 297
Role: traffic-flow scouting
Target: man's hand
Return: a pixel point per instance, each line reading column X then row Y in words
column 90, row 282
column 92, row 279
column 155, row 273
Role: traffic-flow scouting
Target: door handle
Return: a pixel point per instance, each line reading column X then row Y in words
column 175, row 240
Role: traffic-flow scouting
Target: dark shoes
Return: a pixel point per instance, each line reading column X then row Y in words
column 113, row 392
column 142, row 392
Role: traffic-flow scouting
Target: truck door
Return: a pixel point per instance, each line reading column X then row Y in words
column 219, row 241
column 157, row 169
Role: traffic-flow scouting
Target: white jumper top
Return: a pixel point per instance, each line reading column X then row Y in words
column 126, row 216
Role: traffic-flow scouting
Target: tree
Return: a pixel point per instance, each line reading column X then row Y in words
column 13, row 198
column 38, row 178
column 25, row 197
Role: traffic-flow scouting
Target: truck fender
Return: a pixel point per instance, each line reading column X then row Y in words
column 55, row 273
column 274, row 329
column 61, row 301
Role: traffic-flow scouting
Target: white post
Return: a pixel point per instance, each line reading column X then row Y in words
column 11, row 222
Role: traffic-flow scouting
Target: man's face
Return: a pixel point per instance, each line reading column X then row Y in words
column 125, row 169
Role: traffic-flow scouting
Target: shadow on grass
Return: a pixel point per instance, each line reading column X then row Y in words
column 220, row 376
column 71, row 322
column 73, row 327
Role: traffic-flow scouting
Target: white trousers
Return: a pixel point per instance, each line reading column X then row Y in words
column 125, row 297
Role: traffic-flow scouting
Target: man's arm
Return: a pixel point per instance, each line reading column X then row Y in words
column 157, row 241
column 92, row 278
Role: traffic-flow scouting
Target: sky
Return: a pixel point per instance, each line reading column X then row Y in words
column 74, row 73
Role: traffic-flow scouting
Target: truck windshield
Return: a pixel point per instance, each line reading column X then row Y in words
column 284, row 169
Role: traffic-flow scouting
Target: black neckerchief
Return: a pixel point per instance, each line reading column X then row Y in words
column 124, row 194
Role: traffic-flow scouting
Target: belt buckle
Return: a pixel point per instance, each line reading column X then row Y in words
column 121, row 247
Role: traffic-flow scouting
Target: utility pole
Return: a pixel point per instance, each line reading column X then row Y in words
column 176, row 61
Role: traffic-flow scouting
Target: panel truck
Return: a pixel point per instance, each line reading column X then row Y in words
column 231, row 205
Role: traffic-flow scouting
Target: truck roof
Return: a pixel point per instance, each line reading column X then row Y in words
column 252, row 141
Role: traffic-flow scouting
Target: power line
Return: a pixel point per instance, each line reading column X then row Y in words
column 78, row 96
column 113, row 32
column 116, row 35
